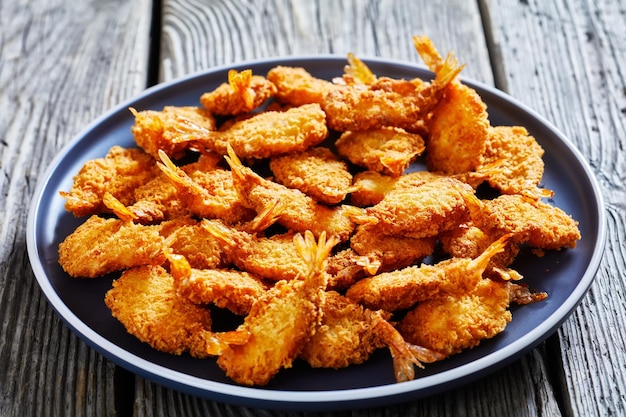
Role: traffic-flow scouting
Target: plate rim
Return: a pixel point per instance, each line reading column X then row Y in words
column 311, row 400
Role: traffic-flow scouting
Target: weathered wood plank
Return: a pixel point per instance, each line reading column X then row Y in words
column 565, row 60
column 61, row 65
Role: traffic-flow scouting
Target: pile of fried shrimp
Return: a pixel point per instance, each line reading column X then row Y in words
column 290, row 201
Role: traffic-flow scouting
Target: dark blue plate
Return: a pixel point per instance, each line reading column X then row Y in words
column 566, row 275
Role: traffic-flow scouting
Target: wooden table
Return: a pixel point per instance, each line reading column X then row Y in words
column 64, row 63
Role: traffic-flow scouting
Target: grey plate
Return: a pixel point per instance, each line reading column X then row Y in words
column 565, row 275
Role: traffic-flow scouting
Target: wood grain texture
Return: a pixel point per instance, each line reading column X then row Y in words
column 565, row 60
column 201, row 34
column 61, row 65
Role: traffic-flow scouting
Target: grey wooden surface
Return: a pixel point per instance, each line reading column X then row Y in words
column 63, row 63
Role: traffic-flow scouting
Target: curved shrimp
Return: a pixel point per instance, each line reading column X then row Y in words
column 282, row 320
column 401, row 289
column 300, row 213
column 350, row 333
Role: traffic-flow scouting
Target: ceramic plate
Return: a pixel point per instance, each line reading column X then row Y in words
column 566, row 275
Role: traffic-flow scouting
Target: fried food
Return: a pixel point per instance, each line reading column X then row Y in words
column 233, row 290
column 386, row 150
column 295, row 86
column 514, row 160
column 533, row 222
column 243, row 93
column 423, row 211
column 351, row 109
column 171, row 129
column 317, row 172
column 451, row 324
column 300, row 212
column 144, row 300
column 401, row 289
column 420, row 262
column 350, row 333
column 120, row 172
column 281, row 321
column 100, row 246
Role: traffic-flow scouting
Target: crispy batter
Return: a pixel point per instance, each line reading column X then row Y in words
column 230, row 289
column 299, row 211
column 119, row 173
column 281, row 321
column 296, row 86
column 387, row 150
column 401, row 289
column 514, row 161
column 171, row 129
column 243, row 93
column 316, row 172
column 423, row 211
column 99, row 246
column 453, row 323
column 530, row 221
column 144, row 300
column 350, row 333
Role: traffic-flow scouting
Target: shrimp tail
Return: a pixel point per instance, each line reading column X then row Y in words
column 482, row 261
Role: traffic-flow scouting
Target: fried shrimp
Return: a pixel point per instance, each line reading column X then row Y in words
column 274, row 258
column 459, row 122
column 99, row 246
column 209, row 194
column 350, row 333
column 403, row 288
column 423, row 211
column 451, row 324
column 282, row 320
column 386, row 150
column 514, row 159
column 348, row 108
column 317, row 172
column 243, row 93
column 300, row 213
column 144, row 300
column 295, row 86
column 536, row 223
column 171, row 129
column 118, row 173
column 230, row 289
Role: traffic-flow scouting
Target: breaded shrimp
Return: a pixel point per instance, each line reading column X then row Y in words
column 389, row 251
column 386, row 150
column 451, row 324
column 352, row 108
column 119, row 173
column 357, row 72
column 370, row 187
column 423, row 211
column 403, row 288
column 274, row 258
column 281, row 321
column 459, row 123
column 243, row 93
column 300, row 212
column 210, row 194
column 469, row 241
column 295, row 86
column 99, row 246
column 350, row 333
column 144, row 300
column 514, row 159
column 171, row 129
column 226, row 288
column 317, row 172
column 534, row 222
column 191, row 240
